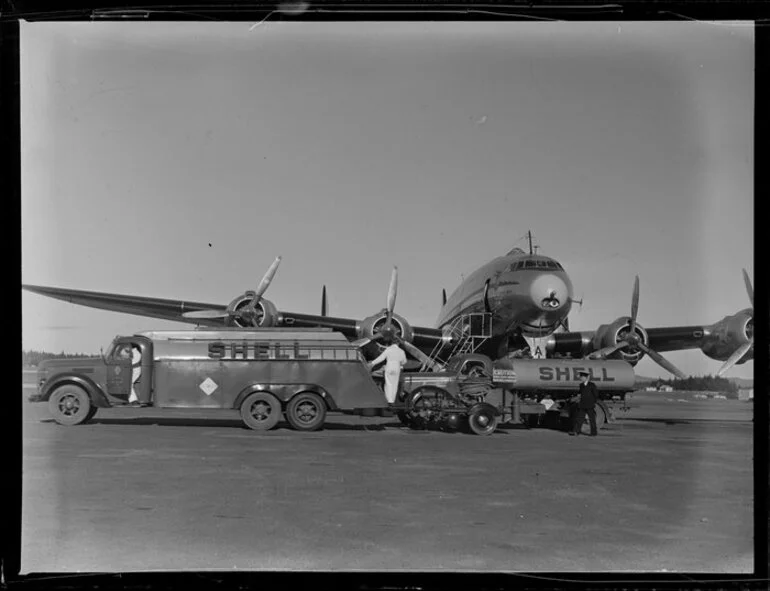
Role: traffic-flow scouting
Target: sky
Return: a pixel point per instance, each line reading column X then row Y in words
column 177, row 160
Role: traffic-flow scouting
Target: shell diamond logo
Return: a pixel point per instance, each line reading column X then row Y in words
column 208, row 386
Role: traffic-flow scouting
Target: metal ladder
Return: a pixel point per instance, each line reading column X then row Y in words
column 469, row 332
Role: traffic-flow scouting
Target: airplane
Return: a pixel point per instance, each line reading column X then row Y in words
column 526, row 296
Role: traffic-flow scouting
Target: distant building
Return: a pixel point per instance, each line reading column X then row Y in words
column 700, row 396
column 720, row 396
column 746, row 394
column 666, row 389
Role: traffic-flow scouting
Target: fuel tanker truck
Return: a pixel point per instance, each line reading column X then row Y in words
column 477, row 394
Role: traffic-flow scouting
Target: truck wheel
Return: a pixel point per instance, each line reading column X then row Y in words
column 306, row 412
column 69, row 405
column 424, row 406
column 482, row 421
column 261, row 411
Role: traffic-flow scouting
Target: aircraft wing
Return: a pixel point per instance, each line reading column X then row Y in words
column 129, row 304
column 167, row 309
column 730, row 340
column 667, row 338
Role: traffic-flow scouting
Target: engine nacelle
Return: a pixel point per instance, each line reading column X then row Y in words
column 371, row 326
column 612, row 334
column 724, row 337
column 266, row 312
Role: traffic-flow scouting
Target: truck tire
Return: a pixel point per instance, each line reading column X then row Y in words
column 306, row 412
column 423, row 406
column 260, row 411
column 69, row 405
column 482, row 420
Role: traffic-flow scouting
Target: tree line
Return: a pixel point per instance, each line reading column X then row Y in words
column 702, row 383
column 34, row 357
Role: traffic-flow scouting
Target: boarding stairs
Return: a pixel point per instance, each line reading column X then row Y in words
column 468, row 332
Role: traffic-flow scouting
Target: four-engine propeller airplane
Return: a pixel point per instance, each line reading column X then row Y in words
column 527, row 296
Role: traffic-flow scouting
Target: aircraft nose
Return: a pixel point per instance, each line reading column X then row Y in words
column 549, row 293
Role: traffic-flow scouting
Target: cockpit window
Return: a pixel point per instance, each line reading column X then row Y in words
column 534, row 264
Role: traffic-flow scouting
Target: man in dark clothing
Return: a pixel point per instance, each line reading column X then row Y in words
column 588, row 397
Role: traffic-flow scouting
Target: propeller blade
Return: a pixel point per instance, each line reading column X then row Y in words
column 749, row 289
column 265, row 283
column 206, row 314
column 602, row 353
column 323, row 301
column 392, row 288
column 634, row 305
column 415, row 352
column 735, row 357
column 662, row 361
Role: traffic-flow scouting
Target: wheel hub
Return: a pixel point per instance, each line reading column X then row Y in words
column 307, row 412
column 260, row 411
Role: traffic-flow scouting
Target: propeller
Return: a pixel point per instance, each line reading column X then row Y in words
column 744, row 348
column 248, row 312
column 388, row 331
column 749, row 289
column 632, row 339
column 390, row 303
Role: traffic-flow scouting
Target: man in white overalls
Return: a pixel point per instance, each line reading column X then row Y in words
column 136, row 371
column 394, row 358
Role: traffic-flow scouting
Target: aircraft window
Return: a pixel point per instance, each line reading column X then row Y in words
column 530, row 265
column 550, row 264
column 515, row 266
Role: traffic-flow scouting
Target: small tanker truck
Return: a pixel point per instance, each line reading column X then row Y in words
column 266, row 374
column 476, row 393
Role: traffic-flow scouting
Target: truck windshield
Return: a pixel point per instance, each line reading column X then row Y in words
column 118, row 350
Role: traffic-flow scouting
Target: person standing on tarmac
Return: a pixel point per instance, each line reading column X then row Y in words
column 394, row 358
column 586, row 404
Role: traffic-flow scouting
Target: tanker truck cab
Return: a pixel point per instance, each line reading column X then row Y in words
column 265, row 373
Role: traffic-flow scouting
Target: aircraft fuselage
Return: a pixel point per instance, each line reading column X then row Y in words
column 527, row 293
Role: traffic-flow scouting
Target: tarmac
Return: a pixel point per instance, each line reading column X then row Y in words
column 668, row 486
